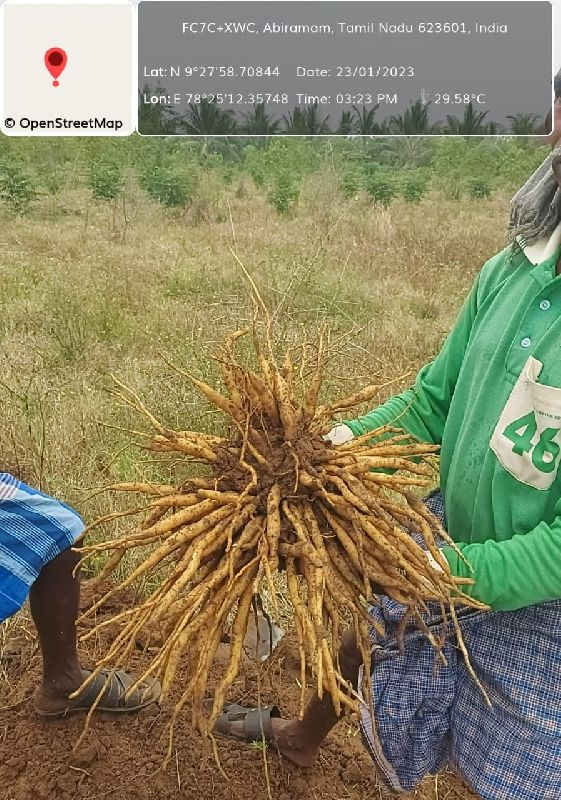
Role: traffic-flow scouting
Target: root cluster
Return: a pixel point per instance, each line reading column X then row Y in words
column 275, row 497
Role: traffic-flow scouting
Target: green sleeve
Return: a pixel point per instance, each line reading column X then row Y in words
column 514, row 573
column 422, row 409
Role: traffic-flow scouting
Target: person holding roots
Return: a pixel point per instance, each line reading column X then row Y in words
column 492, row 400
column 37, row 534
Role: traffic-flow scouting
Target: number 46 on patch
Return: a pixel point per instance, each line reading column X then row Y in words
column 521, row 433
column 527, row 438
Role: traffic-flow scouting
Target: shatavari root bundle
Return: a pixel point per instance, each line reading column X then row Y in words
column 274, row 496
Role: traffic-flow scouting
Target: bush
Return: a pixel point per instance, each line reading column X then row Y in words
column 283, row 193
column 106, row 180
column 258, row 172
column 228, row 172
column 414, row 186
column 292, row 156
column 16, row 187
column 52, row 180
column 381, row 187
column 350, row 183
column 255, row 165
column 479, row 188
column 500, row 163
column 168, row 186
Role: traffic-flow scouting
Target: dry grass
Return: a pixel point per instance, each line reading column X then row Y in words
column 78, row 304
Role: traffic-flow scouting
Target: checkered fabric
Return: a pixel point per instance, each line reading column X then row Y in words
column 34, row 529
column 427, row 717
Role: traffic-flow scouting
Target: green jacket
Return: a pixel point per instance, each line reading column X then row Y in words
column 496, row 412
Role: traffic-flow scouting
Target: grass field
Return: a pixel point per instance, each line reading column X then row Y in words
column 79, row 303
column 86, row 293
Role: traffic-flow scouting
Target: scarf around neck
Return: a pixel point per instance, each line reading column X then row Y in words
column 535, row 209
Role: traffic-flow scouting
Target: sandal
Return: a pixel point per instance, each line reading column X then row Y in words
column 256, row 722
column 114, row 685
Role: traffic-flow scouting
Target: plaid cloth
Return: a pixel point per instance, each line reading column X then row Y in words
column 34, row 529
column 427, row 718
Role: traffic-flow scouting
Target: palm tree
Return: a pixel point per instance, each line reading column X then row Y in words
column 367, row 125
column 293, row 122
column 347, row 124
column 259, row 123
column 414, row 120
column 306, row 122
column 407, row 151
column 314, row 124
column 494, row 129
column 470, row 125
column 156, row 118
column 526, row 124
column 207, row 118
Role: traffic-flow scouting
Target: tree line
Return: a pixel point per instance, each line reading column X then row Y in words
column 209, row 118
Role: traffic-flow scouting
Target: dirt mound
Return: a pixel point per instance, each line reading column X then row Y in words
column 121, row 756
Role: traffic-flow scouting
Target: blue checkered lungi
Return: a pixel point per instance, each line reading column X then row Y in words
column 428, row 717
column 34, row 529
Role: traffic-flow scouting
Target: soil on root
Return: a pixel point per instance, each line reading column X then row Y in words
column 121, row 756
column 282, row 460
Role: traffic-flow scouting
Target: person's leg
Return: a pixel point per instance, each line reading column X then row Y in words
column 54, row 600
column 300, row 739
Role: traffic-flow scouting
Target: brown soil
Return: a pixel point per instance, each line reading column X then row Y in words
column 121, row 756
column 282, row 462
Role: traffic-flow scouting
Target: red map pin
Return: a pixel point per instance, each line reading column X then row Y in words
column 55, row 61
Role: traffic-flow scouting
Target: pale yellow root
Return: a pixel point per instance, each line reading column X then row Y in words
column 276, row 497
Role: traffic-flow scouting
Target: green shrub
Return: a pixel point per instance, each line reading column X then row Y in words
column 501, row 163
column 52, row 180
column 168, row 186
column 258, row 174
column 479, row 188
column 106, row 180
column 381, row 187
column 283, row 193
column 414, row 186
column 16, row 187
column 350, row 183
column 257, row 164
column 228, row 172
